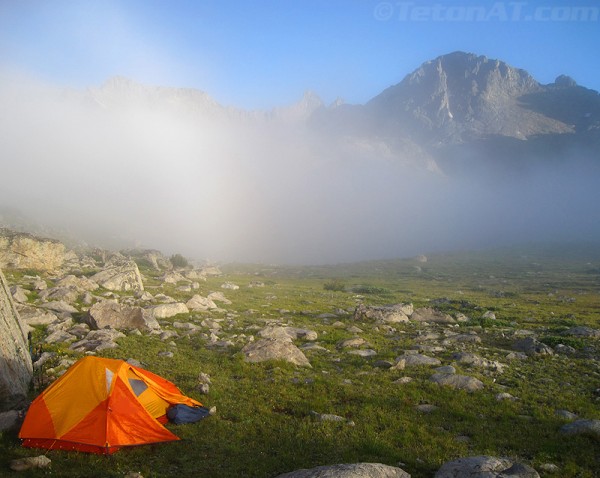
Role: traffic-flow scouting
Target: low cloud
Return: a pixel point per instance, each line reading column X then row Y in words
column 227, row 187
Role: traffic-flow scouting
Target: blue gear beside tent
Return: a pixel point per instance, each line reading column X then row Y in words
column 180, row 413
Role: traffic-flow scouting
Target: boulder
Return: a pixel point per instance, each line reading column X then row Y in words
column 582, row 331
column 172, row 277
column 582, row 427
column 474, row 360
column 22, row 464
column 197, row 302
column 35, row 316
column 389, row 313
column 121, row 276
column 458, row 382
column 59, row 306
column 352, row 470
column 110, row 314
column 66, row 294
column 294, row 333
column 19, row 294
column 230, row 286
column 427, row 314
column 274, row 349
column 16, row 368
column 414, row 360
column 80, row 283
column 532, row 346
column 219, row 297
column 164, row 311
column 485, row 467
column 25, row 251
column 9, row 419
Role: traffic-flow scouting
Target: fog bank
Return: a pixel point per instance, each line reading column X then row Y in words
column 228, row 187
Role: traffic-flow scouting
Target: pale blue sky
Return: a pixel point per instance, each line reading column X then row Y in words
column 266, row 53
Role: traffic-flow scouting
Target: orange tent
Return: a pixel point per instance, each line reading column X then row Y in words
column 100, row 405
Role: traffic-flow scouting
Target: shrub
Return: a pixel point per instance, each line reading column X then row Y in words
column 178, row 261
column 335, row 285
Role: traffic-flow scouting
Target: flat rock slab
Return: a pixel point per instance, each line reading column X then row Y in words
column 354, row 470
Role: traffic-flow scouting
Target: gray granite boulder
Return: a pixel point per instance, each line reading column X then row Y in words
column 485, row 467
column 16, row 368
column 353, row 470
column 274, row 349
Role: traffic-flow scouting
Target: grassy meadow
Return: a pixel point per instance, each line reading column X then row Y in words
column 265, row 422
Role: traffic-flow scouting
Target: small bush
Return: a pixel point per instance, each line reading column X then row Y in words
column 369, row 289
column 335, row 285
column 178, row 261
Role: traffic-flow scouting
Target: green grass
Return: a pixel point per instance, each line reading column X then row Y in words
column 264, row 424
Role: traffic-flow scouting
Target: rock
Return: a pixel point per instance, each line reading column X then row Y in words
column 354, row 470
column 446, row 369
column 66, row 294
column 532, row 346
column 414, row 360
column 123, row 276
column 8, row 420
column 549, row 467
column 459, row 382
column 274, row 349
column 363, row 353
column 566, row 415
column 111, row 314
column 489, row 315
column 59, row 336
column 485, row 467
column 23, row 464
column 25, row 251
column 16, row 369
column 562, row 349
column 353, row 342
column 474, row 360
column 582, row 427
column 426, row 314
column 97, row 340
column 426, row 408
column 403, row 380
column 60, row 306
column 471, row 338
column 172, row 277
column 230, row 286
column 504, row 396
column 391, row 313
column 219, row 297
column 582, row 331
column 34, row 316
column 19, row 294
column 328, row 417
column 197, row 302
column 80, row 283
column 164, row 311
column 293, row 333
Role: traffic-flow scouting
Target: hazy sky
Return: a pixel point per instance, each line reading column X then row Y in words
column 268, row 191
column 265, row 53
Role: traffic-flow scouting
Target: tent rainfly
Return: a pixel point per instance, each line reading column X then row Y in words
column 100, row 405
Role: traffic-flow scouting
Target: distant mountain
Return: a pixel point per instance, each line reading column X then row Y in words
column 461, row 106
column 452, row 113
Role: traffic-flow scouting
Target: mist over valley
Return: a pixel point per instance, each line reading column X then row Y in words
column 465, row 152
